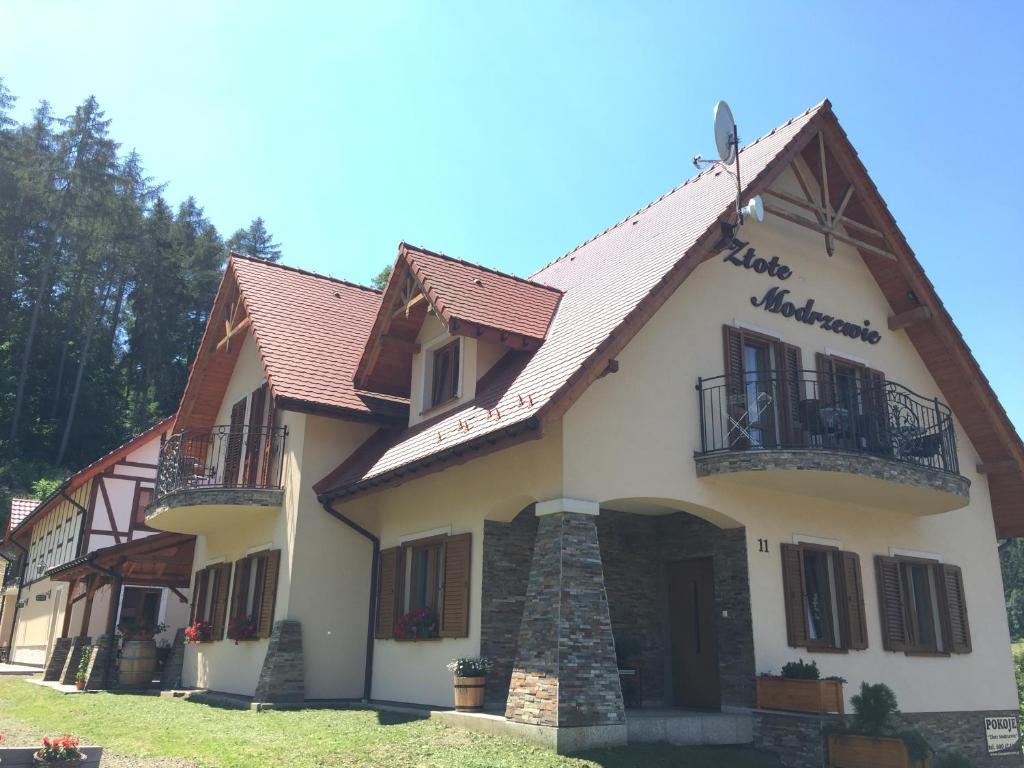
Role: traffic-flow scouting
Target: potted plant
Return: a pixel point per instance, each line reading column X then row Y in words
column 138, row 655
column 59, row 752
column 199, row 632
column 800, row 688
column 242, row 628
column 142, row 631
column 470, row 675
column 417, row 624
column 873, row 738
column 82, row 675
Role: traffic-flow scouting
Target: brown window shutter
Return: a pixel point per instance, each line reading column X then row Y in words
column 891, row 604
column 270, row 449
column 221, row 583
column 793, row 594
column 239, row 588
column 853, row 594
column 388, row 593
column 253, row 439
column 455, row 610
column 199, row 594
column 268, row 592
column 826, row 379
column 792, row 393
column 233, row 449
column 734, row 390
column 958, row 629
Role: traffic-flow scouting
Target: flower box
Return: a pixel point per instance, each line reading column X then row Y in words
column 868, row 752
column 796, row 695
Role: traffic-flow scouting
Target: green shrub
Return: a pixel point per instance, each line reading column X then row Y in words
column 1018, row 668
column 83, row 664
column 874, row 709
column 800, row 670
column 951, row 760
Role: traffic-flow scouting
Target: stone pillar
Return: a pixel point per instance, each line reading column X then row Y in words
column 283, row 677
column 565, row 674
column 101, row 672
column 170, row 675
column 58, row 657
column 70, row 671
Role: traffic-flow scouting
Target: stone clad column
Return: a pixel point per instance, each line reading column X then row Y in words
column 565, row 673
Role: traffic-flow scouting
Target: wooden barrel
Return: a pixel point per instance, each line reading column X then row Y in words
column 469, row 694
column 138, row 661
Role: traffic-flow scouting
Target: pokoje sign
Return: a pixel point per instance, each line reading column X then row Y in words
column 775, row 300
column 1002, row 735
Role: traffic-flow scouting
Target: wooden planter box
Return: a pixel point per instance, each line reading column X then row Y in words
column 868, row 752
column 469, row 694
column 790, row 694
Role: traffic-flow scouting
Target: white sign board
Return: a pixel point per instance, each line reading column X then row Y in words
column 1002, row 735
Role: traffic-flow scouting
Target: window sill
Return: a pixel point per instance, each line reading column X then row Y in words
column 440, row 406
column 945, row 654
column 416, row 639
column 828, row 650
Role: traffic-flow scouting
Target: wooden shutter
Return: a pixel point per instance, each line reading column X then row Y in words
column 891, row 604
column 388, row 592
column 853, row 595
column 233, row 449
column 221, row 583
column 733, row 406
column 268, row 592
column 253, row 439
column 270, row 451
column 793, row 595
column 240, row 587
column 791, row 393
column 826, row 379
column 199, row 594
column 958, row 629
column 455, row 609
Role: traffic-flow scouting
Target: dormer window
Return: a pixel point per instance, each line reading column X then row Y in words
column 444, row 374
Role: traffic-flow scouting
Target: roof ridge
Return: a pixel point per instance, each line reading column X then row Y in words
column 823, row 103
column 307, row 272
column 492, row 270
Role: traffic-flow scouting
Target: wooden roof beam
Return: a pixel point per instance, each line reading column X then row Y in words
column 805, row 222
column 1007, row 467
column 910, row 317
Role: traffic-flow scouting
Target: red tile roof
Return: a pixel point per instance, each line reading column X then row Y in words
column 310, row 330
column 603, row 282
column 20, row 509
column 468, row 293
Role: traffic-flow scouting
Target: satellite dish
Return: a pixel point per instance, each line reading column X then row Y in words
column 754, row 209
column 725, row 133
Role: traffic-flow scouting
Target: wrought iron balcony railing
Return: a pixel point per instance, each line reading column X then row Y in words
column 808, row 409
column 222, row 457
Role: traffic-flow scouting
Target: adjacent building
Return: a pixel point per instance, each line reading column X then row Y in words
column 83, row 560
column 692, row 447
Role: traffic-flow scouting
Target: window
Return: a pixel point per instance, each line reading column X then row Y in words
column 824, row 598
column 143, row 497
column 922, row 604
column 431, row 574
column 140, row 605
column 210, row 597
column 445, row 374
column 253, row 595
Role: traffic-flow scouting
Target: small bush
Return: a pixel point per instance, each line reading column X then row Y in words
column 951, row 760
column 801, row 670
column 917, row 745
column 874, row 709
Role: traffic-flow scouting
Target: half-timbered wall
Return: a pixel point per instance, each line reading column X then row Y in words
column 55, row 538
column 117, row 496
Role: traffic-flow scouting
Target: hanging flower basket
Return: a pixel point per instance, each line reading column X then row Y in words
column 418, row 624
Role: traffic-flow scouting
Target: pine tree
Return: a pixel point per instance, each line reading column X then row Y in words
column 255, row 241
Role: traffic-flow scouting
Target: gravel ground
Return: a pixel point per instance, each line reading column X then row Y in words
column 18, row 734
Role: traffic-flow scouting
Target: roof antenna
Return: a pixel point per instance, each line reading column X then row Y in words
column 727, row 141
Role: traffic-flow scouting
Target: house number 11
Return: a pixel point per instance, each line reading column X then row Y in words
column 762, row 545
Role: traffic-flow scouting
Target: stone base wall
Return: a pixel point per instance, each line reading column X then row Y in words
column 70, row 671
column 58, row 658
column 508, row 548
column 797, row 740
column 102, row 672
column 963, row 732
column 283, row 677
column 170, row 675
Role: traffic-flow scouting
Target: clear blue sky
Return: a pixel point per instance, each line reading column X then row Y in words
column 507, row 136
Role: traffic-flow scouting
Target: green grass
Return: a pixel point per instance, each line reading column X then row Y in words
column 220, row 738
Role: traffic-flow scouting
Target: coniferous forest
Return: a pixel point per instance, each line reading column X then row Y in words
column 105, row 289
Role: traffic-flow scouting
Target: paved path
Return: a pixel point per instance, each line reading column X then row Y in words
column 18, row 669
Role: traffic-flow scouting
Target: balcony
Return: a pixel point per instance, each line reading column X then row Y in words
column 850, row 438
column 217, row 478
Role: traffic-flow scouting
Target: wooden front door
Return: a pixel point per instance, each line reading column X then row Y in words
column 695, row 680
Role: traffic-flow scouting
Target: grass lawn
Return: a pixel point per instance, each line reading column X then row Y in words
column 149, row 726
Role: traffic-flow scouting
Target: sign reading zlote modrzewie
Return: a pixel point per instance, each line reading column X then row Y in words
column 1002, row 735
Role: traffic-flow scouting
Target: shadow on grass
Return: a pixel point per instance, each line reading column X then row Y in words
column 666, row 756
column 385, row 717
